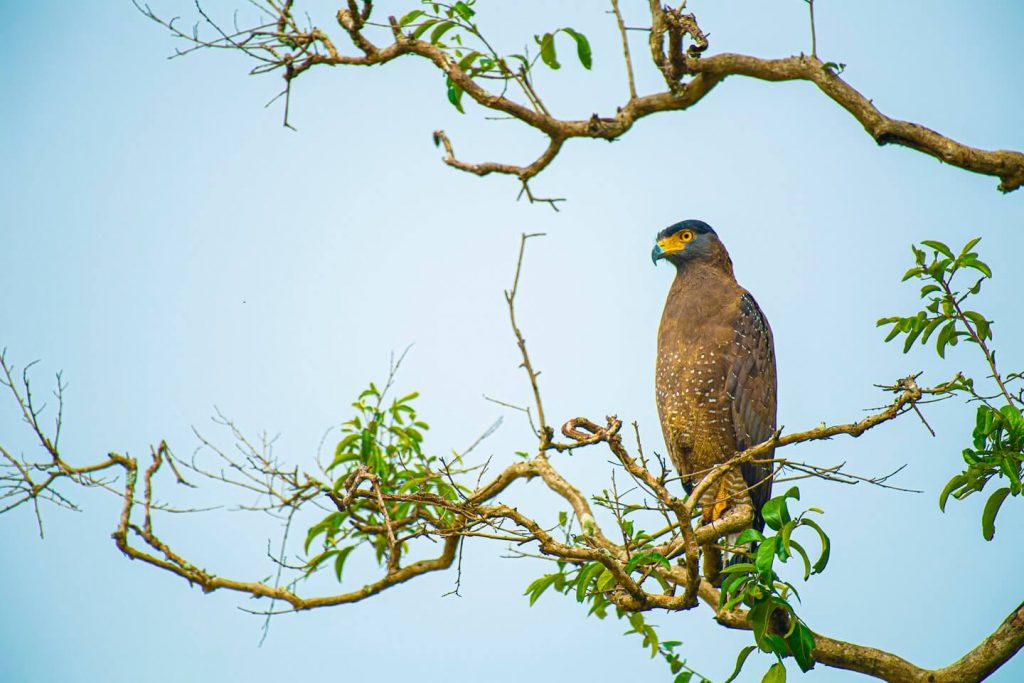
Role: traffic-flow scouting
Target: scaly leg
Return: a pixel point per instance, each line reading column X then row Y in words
column 727, row 510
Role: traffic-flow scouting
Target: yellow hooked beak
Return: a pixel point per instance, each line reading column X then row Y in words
column 669, row 245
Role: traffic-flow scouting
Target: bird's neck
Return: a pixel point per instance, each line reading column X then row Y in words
column 692, row 276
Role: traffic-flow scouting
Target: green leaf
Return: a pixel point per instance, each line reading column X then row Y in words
column 914, row 333
column 759, row 617
column 981, row 325
column 945, row 335
column 801, row 642
column 455, row 95
column 339, row 560
column 583, row 581
column 1009, row 467
column 776, row 674
column 988, row 517
column 1012, row 415
column 647, row 558
column 535, row 589
column 410, row 17
column 740, row 661
column 939, row 247
column 766, row 555
column 547, row 51
column 970, row 245
column 467, row 61
column 803, row 554
column 934, row 323
column 464, row 10
column 826, row 546
column 749, row 536
column 919, row 255
column 440, row 30
column 606, row 580
column 913, row 272
column 582, row 48
column 954, row 483
column 330, row 522
column 423, row 27
column 782, row 540
column 683, row 677
column 775, row 512
column 315, row 562
column 980, row 267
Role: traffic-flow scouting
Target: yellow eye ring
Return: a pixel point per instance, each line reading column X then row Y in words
column 686, row 235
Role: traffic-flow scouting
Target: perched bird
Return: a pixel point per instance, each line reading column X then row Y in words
column 715, row 379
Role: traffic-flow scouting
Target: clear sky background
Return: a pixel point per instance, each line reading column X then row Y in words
column 172, row 248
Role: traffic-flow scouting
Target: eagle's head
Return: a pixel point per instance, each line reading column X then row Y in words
column 688, row 242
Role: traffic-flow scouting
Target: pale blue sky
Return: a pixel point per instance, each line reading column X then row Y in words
column 171, row 247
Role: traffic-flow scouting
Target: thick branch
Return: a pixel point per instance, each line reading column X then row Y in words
column 1006, row 165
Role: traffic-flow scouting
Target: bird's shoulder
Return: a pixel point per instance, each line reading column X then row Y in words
column 748, row 316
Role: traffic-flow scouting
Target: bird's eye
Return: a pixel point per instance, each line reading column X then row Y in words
column 686, row 235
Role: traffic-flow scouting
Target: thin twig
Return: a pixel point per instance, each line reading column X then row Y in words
column 625, row 49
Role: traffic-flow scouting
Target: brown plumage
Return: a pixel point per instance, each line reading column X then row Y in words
column 715, row 379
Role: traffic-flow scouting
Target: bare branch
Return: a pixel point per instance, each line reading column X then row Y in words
column 625, row 49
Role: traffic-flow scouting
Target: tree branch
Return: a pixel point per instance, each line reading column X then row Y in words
column 1006, row 165
column 688, row 75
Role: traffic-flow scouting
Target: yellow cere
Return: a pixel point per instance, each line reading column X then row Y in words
column 676, row 242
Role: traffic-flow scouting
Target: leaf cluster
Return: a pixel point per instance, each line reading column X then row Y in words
column 997, row 441
column 386, row 438
column 997, row 451
column 589, row 583
column 943, row 310
column 454, row 29
column 756, row 585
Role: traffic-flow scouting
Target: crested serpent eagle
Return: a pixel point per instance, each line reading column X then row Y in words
column 715, row 380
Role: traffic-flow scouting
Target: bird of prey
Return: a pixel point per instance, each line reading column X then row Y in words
column 715, row 379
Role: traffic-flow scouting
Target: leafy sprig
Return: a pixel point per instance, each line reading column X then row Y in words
column 997, row 441
column 453, row 28
column 756, row 585
column 387, row 439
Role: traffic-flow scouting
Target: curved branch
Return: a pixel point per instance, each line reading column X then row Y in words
column 1006, row 165
column 991, row 653
column 524, row 173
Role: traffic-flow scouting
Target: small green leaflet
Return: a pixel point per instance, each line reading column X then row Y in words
column 776, row 674
column 740, row 660
column 988, row 517
column 582, row 47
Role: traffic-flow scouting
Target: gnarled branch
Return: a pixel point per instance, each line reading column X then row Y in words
column 689, row 76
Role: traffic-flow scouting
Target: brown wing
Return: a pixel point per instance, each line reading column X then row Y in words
column 751, row 386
